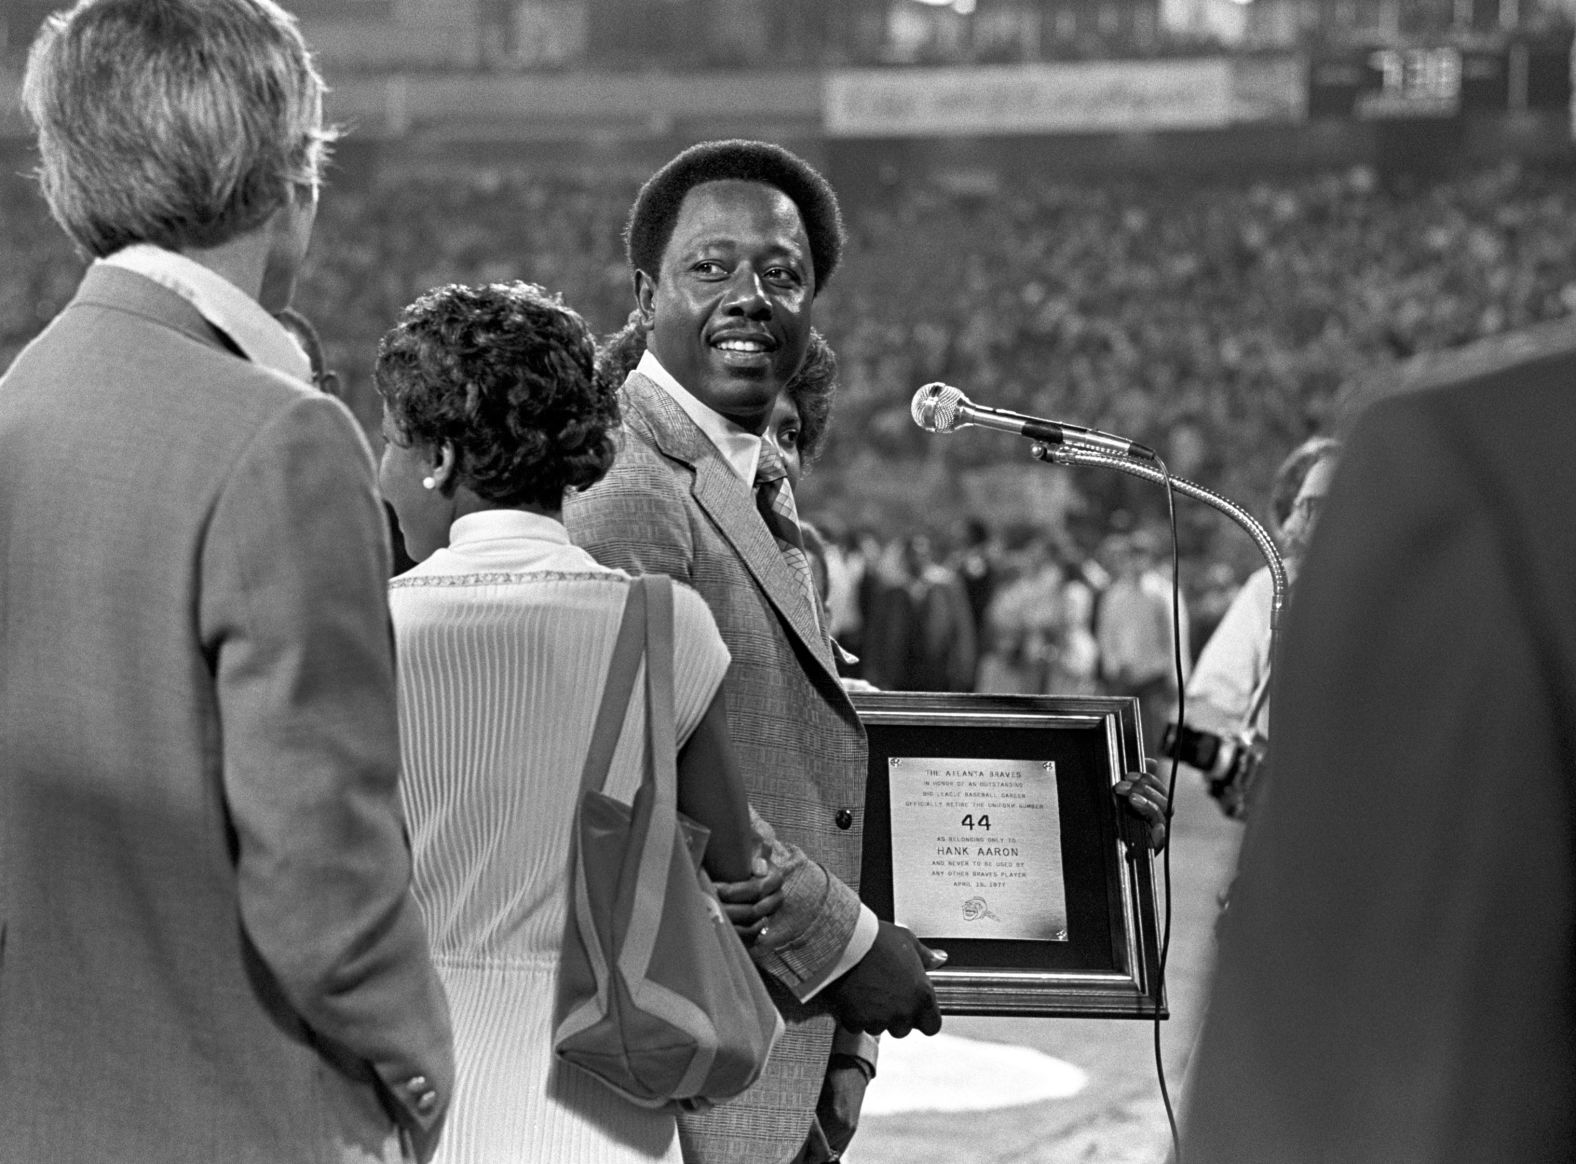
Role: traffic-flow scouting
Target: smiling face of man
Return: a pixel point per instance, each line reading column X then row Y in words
column 729, row 310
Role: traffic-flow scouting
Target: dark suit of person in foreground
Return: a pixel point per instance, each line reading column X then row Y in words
column 1397, row 970
column 208, row 947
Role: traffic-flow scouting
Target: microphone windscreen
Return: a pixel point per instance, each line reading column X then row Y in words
column 935, row 407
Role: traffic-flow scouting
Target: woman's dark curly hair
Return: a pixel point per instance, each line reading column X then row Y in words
column 656, row 207
column 618, row 353
column 812, row 388
column 506, row 374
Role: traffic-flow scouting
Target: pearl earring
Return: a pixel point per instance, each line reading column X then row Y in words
column 429, row 482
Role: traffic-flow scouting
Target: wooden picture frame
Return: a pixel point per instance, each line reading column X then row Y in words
column 990, row 822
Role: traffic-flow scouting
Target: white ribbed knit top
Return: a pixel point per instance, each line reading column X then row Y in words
column 503, row 642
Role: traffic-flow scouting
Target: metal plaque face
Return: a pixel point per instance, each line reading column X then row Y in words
column 977, row 848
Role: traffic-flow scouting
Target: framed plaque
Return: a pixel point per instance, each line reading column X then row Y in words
column 992, row 832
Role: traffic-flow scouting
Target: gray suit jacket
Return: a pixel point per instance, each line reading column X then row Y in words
column 671, row 505
column 208, row 949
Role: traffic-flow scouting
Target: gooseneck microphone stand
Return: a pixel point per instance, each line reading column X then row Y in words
column 941, row 408
column 1149, row 471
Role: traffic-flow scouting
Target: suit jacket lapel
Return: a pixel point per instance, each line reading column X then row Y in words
column 731, row 505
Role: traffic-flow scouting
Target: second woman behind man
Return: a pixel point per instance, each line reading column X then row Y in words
column 493, row 410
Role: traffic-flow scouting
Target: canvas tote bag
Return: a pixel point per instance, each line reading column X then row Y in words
column 658, row 997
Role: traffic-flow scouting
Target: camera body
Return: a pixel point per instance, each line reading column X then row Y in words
column 1230, row 764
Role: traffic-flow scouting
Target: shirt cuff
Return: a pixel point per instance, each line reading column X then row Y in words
column 865, row 930
column 857, row 1045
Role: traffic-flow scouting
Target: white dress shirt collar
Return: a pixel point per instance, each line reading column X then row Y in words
column 259, row 336
column 741, row 450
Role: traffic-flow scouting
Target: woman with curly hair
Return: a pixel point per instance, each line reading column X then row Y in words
column 493, row 409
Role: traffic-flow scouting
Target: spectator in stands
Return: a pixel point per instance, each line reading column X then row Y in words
column 1023, row 621
column 978, row 568
column 889, row 616
column 815, row 547
column 870, row 552
column 1074, row 667
column 1134, row 630
column 845, row 568
column 942, row 650
column 824, row 562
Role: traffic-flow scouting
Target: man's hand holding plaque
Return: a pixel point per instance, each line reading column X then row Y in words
column 888, row 990
column 1143, row 794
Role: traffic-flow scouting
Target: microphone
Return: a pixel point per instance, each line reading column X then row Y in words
column 942, row 408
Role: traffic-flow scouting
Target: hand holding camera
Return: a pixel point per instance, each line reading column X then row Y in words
column 1230, row 764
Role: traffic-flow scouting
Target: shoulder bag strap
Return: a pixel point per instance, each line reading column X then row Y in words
column 652, row 841
column 616, row 688
column 659, row 688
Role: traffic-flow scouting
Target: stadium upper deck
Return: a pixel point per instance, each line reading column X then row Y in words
column 383, row 35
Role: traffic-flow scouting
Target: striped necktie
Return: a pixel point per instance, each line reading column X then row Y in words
column 774, row 498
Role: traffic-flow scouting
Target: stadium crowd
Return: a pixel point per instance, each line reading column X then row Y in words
column 1216, row 320
column 310, row 826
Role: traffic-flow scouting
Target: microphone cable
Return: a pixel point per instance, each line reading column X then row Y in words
column 1171, row 792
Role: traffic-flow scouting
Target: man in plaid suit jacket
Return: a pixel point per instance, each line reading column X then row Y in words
column 729, row 244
